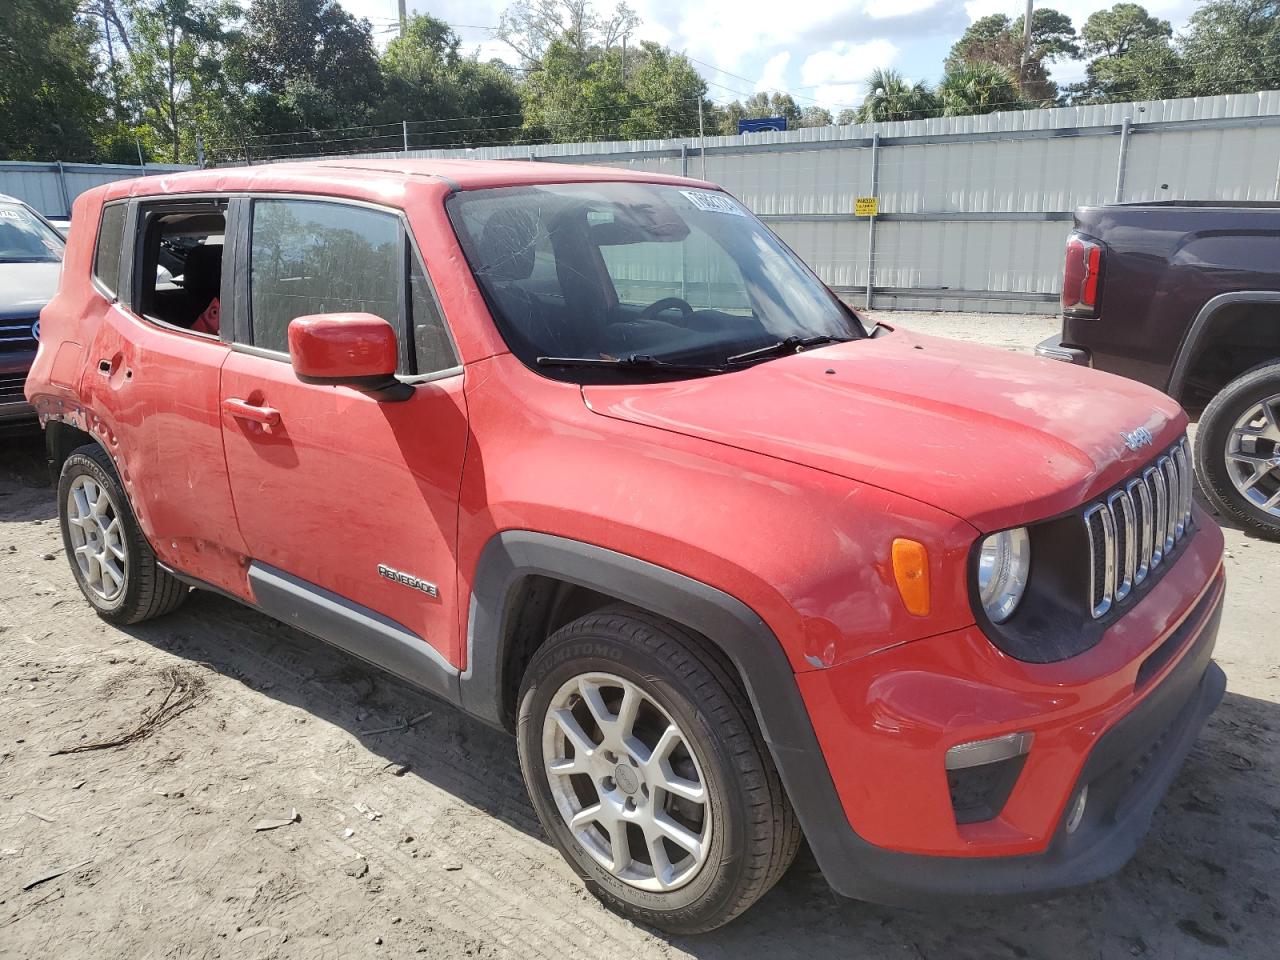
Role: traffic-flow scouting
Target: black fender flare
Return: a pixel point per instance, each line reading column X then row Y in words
column 1201, row 325
column 736, row 629
column 512, row 555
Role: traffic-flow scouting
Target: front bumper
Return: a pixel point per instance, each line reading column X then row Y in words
column 1099, row 719
column 1054, row 349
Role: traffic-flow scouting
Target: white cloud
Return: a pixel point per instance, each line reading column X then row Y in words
column 834, row 75
column 977, row 9
column 846, row 63
column 773, row 76
column 884, row 9
column 731, row 32
column 836, row 96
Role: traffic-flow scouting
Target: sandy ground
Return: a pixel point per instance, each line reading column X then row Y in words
column 158, row 856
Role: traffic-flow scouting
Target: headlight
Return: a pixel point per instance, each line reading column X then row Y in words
column 1004, row 563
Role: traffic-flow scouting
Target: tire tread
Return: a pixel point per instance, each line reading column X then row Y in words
column 158, row 591
column 1210, row 466
column 773, row 831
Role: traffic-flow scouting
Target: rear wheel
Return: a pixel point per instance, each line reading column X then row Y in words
column 645, row 767
column 1238, row 450
column 112, row 562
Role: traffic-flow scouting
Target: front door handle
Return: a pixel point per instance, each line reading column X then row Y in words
column 242, row 410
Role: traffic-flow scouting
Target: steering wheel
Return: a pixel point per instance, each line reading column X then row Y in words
column 665, row 304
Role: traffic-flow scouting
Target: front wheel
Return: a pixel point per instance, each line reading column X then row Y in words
column 645, row 766
column 1238, row 450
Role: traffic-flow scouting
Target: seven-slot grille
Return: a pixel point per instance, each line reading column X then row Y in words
column 18, row 334
column 1135, row 528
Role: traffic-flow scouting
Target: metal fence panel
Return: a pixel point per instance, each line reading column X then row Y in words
column 52, row 187
column 974, row 210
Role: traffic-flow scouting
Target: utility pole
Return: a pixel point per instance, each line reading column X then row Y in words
column 702, row 142
column 1026, row 41
column 404, row 16
column 624, row 58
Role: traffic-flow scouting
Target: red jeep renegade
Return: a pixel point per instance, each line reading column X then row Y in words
column 592, row 455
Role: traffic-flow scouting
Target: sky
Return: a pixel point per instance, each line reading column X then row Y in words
column 819, row 52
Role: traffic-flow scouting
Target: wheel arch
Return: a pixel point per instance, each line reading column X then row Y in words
column 527, row 584
column 61, row 439
column 1215, row 315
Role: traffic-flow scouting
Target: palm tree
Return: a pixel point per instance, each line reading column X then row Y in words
column 891, row 96
column 982, row 87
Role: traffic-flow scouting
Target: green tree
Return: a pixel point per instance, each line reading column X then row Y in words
column 999, row 40
column 51, row 98
column 1131, row 57
column 451, row 99
column 530, row 27
column 1112, row 33
column 759, row 105
column 974, row 88
column 566, row 100
column 846, row 116
column 171, row 84
column 663, row 90
column 306, row 63
column 890, row 96
column 815, row 116
column 1232, row 46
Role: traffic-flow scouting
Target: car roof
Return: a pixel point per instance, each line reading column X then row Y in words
column 458, row 174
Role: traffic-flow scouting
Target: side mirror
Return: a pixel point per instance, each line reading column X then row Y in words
column 347, row 349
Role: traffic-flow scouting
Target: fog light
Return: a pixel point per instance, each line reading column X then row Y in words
column 1076, row 813
column 978, row 752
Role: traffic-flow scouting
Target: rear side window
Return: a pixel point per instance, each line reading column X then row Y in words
column 106, row 260
column 310, row 257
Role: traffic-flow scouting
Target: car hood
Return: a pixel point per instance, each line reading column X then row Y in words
column 996, row 438
column 26, row 287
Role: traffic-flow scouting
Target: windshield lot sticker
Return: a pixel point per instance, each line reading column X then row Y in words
column 713, row 202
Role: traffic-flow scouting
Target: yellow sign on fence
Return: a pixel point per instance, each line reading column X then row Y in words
column 866, row 206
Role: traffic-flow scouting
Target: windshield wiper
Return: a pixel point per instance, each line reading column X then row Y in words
column 633, row 362
column 785, row 348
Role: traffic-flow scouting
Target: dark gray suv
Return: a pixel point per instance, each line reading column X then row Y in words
column 30, row 263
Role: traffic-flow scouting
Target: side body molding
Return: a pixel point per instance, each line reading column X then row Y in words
column 351, row 627
column 1201, row 325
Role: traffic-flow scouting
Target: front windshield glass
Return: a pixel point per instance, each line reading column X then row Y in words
column 25, row 238
column 604, row 271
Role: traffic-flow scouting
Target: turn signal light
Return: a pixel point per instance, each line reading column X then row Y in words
column 911, row 571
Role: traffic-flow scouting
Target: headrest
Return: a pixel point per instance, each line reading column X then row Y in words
column 202, row 271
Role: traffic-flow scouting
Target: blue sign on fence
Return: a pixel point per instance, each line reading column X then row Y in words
column 762, row 123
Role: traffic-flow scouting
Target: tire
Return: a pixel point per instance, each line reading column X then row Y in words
column 1214, row 438
column 749, row 831
column 126, row 585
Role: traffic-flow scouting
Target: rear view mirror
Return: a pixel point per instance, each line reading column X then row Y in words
column 347, row 349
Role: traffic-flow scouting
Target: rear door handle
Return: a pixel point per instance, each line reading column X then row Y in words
column 242, row 410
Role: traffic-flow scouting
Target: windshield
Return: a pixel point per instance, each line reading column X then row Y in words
column 25, row 238
column 614, row 271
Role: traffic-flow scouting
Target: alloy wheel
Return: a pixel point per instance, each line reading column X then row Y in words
column 97, row 538
column 1253, row 455
column 626, row 781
